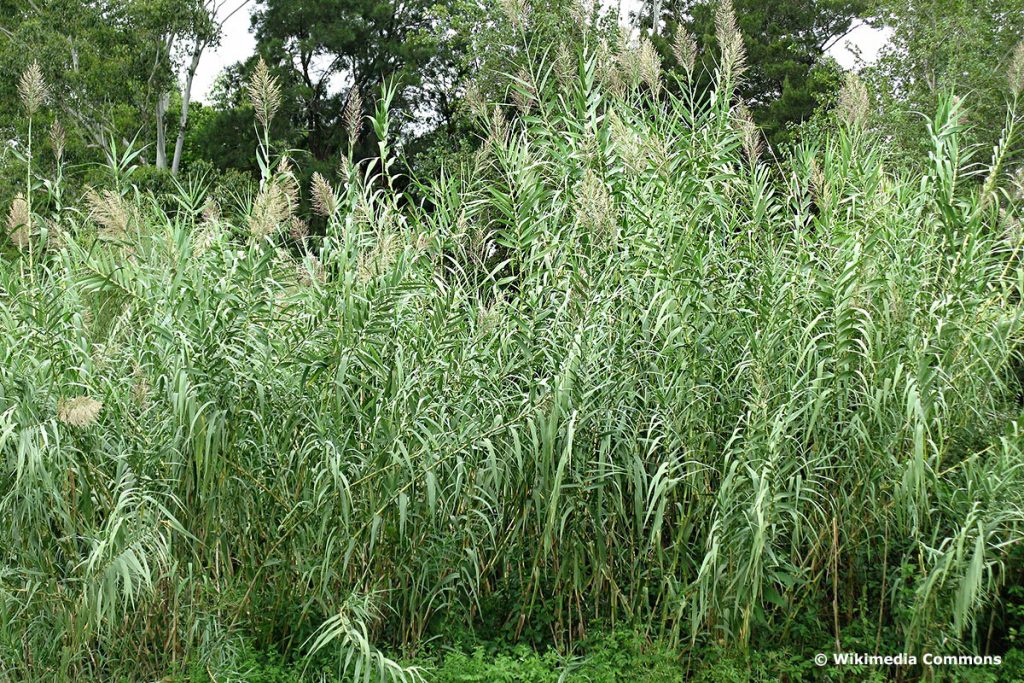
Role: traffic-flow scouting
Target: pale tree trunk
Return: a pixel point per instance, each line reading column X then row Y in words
column 656, row 18
column 186, row 100
column 162, row 103
column 214, row 8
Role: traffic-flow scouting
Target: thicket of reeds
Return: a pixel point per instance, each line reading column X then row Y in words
column 628, row 367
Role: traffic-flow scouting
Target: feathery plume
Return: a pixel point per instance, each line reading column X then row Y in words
column 819, row 185
column 270, row 211
column 19, row 222
column 32, row 89
column 626, row 61
column 628, row 143
column 264, row 93
column 298, row 229
column 475, row 101
column 325, row 202
column 515, row 11
column 613, row 67
column 854, row 103
column 730, row 40
column 205, row 238
column 648, row 65
column 110, row 212
column 56, row 236
column 499, row 126
column 345, row 170
column 488, row 317
column 584, row 12
column 684, row 47
column 275, row 204
column 209, row 230
column 211, row 210
column 525, row 92
column 57, row 139
column 79, row 412
column 565, row 65
column 354, row 115
column 750, row 135
column 1016, row 71
column 140, row 386
column 311, row 270
column 377, row 260
column 594, row 205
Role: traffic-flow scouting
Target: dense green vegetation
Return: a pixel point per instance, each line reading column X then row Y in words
column 619, row 393
column 124, row 70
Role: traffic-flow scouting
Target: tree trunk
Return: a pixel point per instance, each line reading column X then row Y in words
column 186, row 100
column 162, row 103
column 656, row 18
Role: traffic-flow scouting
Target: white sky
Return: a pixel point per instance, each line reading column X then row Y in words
column 238, row 44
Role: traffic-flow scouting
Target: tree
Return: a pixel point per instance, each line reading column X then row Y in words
column 205, row 31
column 109, row 63
column 324, row 53
column 786, row 42
column 98, row 60
column 173, row 22
column 943, row 45
column 485, row 49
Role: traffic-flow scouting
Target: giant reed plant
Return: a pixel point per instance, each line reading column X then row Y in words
column 623, row 368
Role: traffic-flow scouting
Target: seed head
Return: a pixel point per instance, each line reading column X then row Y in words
column 205, row 238
column 499, row 127
column 211, row 210
column 270, row 211
column 379, row 259
column 515, row 11
column 298, row 229
column 110, row 212
column 345, row 170
column 565, row 65
column 1016, row 71
column 631, row 147
column 684, row 47
column 275, row 204
column 475, row 102
column 488, row 317
column 57, row 139
column 79, row 412
column 311, row 270
column 264, row 93
column 730, row 40
column 627, row 63
column 354, row 115
column 854, row 103
column 19, row 222
column 613, row 67
column 56, row 236
column 525, row 92
column 750, row 135
column 648, row 65
column 819, row 185
column 584, row 12
column 595, row 208
column 325, row 202
column 140, row 386
column 32, row 89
